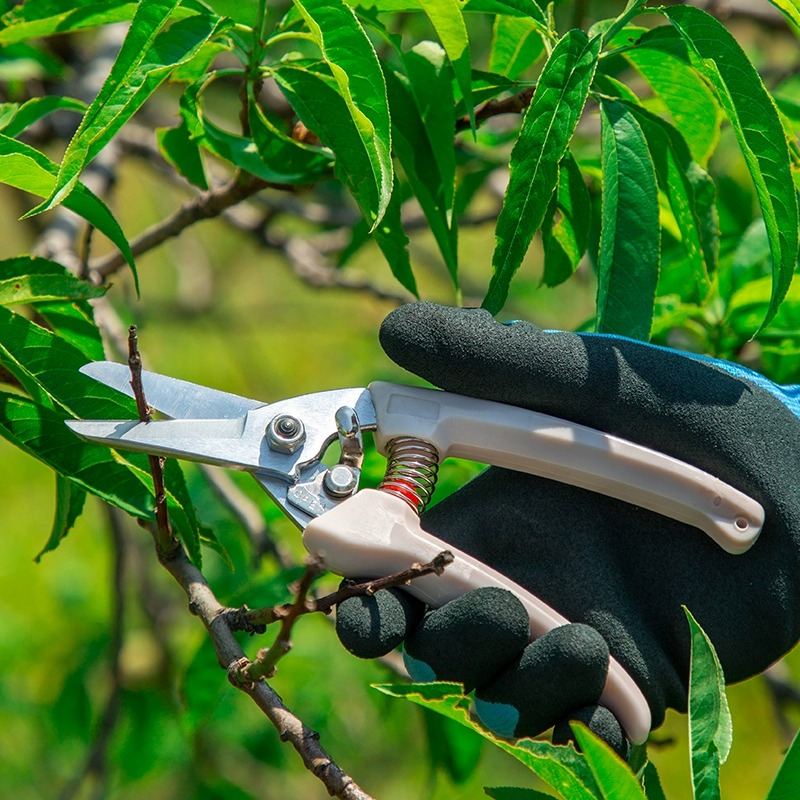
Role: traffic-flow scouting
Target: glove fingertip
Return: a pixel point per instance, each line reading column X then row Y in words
column 370, row 626
column 601, row 722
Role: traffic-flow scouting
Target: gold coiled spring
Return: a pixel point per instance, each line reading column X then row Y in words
column 411, row 470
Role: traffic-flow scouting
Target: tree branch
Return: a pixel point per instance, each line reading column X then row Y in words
column 204, row 604
column 515, row 104
column 203, row 206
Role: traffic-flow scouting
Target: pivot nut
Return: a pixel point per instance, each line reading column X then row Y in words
column 285, row 434
column 340, row 481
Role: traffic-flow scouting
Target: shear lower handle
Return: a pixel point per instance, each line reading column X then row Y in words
column 539, row 444
column 375, row 533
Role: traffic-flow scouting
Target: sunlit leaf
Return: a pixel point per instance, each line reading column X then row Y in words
column 710, row 725
column 758, row 128
column 690, row 102
column 35, row 109
column 516, row 45
column 614, row 777
column 318, row 103
column 628, row 260
column 146, row 58
column 357, row 73
column 547, row 129
column 559, row 766
column 31, row 280
column 23, row 167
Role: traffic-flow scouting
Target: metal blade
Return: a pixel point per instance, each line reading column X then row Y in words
column 174, row 398
column 234, row 443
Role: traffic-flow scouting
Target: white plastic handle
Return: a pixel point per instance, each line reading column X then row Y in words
column 375, row 533
column 539, row 444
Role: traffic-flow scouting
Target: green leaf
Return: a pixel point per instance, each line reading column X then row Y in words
column 784, row 787
column 758, row 128
column 74, row 323
column 710, row 725
column 40, row 431
column 289, row 165
column 318, row 103
column 515, row 793
column 145, row 60
column 35, row 109
column 748, row 303
column 691, row 104
column 613, row 775
column 23, row 167
column 547, row 129
column 69, row 504
column 690, row 193
column 423, row 122
column 180, row 150
column 609, row 28
column 359, row 81
column 39, row 18
column 31, row 280
column 628, row 260
column 517, row 44
column 652, row 783
column 565, row 231
column 448, row 22
column 790, row 8
column 559, row 766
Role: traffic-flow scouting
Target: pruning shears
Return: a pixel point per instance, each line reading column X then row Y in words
column 375, row 532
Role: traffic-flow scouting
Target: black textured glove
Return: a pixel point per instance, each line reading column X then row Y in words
column 620, row 573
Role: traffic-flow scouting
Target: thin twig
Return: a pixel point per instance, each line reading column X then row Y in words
column 267, row 659
column 164, row 537
column 515, row 104
column 203, row 206
column 255, row 619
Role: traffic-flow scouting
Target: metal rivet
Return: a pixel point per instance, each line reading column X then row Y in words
column 340, row 481
column 285, row 433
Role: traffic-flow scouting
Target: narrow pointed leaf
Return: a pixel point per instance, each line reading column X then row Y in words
column 23, row 167
column 710, row 725
column 274, row 162
column 322, row 109
column 613, row 775
column 37, row 108
column 39, row 18
column 180, row 150
column 69, row 504
column 423, row 138
column 144, row 62
column 560, row 767
column 689, row 191
column 516, row 45
column 356, row 70
column 73, row 322
column 515, row 793
column 565, row 232
column 628, row 260
column 690, row 102
column 758, row 128
column 448, row 22
column 547, row 129
column 33, row 280
column 791, row 8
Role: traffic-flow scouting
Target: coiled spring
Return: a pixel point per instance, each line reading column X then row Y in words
column 411, row 471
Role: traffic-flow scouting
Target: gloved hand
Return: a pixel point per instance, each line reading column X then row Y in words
column 618, row 572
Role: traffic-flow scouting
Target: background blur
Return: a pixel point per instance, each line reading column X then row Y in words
column 218, row 309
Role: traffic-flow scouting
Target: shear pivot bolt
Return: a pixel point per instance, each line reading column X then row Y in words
column 340, row 481
column 285, row 434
